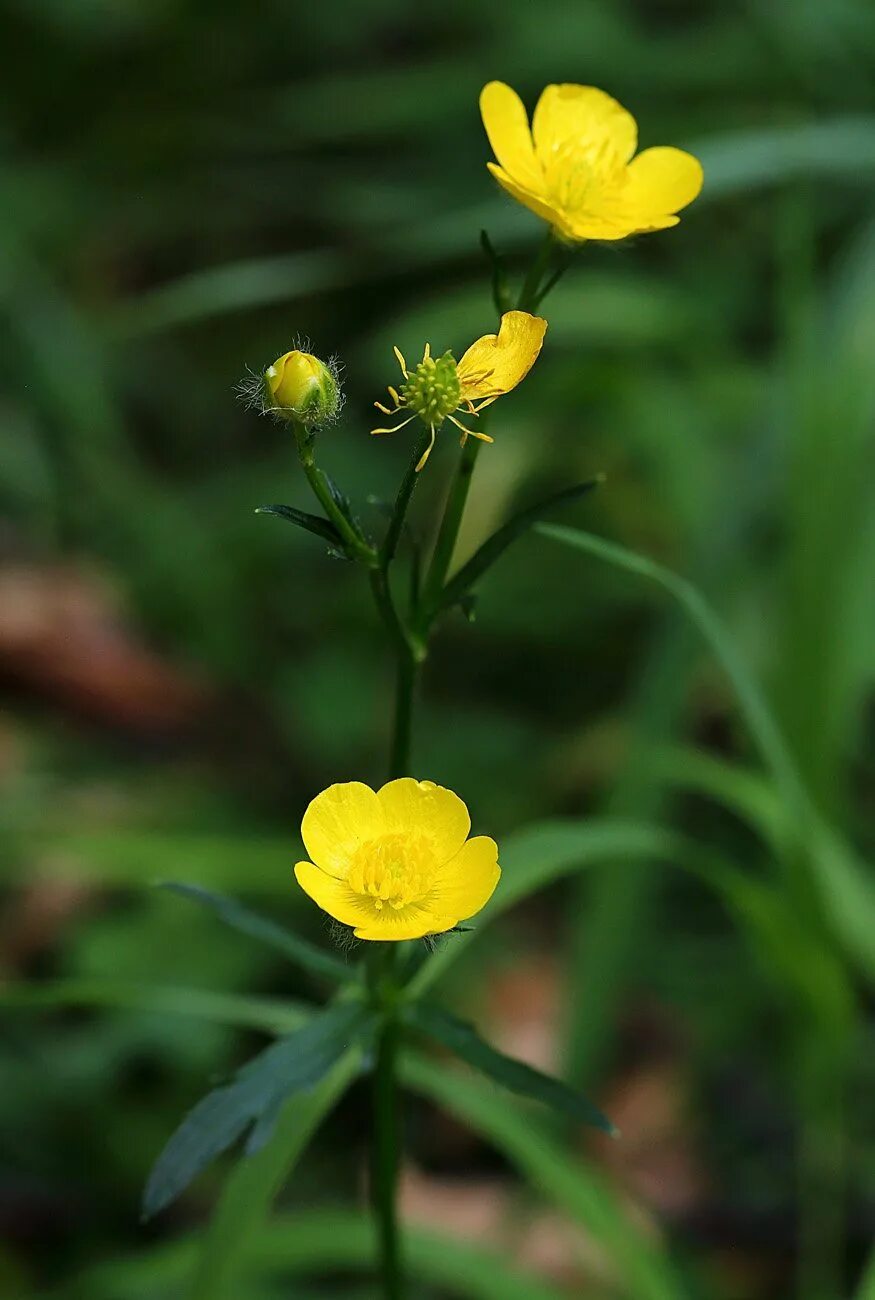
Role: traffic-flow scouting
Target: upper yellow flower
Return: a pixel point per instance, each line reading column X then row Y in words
column 491, row 367
column 395, row 863
column 575, row 167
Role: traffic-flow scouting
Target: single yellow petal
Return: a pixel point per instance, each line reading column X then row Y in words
column 426, row 809
column 334, row 896
column 537, row 203
column 338, row 821
column 409, row 923
column 498, row 362
column 583, row 122
column 507, row 126
column 661, row 181
column 465, row 884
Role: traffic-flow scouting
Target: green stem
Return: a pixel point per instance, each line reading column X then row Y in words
column 350, row 535
column 530, row 295
column 402, row 501
column 448, row 532
column 384, row 1138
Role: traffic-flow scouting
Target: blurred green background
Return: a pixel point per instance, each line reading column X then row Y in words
column 188, row 187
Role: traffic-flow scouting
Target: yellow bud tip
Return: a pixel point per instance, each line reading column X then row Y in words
column 302, row 387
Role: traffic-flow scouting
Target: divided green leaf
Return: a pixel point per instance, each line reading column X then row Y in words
column 463, row 1040
column 253, row 1099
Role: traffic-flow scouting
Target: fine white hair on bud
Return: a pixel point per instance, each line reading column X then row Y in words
column 297, row 387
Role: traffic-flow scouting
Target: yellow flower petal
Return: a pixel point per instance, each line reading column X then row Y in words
column 412, row 923
column 537, row 203
column 467, row 882
column 426, row 809
column 498, row 362
column 360, row 911
column 334, row 896
column 661, row 181
column 585, row 122
column 507, row 126
column 338, row 821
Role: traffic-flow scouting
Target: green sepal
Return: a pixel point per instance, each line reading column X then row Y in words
column 312, row 523
column 457, row 589
column 253, row 1099
column 463, row 1040
column 298, row 950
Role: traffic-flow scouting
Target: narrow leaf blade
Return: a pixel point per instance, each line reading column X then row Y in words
column 463, row 1040
column 311, row 523
column 266, row 931
column 461, row 583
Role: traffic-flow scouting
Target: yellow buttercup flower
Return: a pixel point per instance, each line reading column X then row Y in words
column 395, row 863
column 575, row 166
column 491, row 367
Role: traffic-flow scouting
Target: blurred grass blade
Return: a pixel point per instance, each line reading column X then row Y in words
column 291, row 1065
column 533, row 858
column 310, row 1242
column 311, row 523
column 270, row 1015
column 462, row 1039
column 845, row 893
column 569, row 1182
column 462, row 581
column 866, row 1290
column 266, row 931
column 740, row 161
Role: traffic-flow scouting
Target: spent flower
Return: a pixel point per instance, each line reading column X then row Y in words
column 574, row 167
column 395, row 863
column 438, row 387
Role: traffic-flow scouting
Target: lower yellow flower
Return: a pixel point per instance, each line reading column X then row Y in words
column 491, row 367
column 395, row 863
column 574, row 166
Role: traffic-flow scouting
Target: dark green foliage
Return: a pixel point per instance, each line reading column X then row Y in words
column 253, row 1099
column 463, row 1040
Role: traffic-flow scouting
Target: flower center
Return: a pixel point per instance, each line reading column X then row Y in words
column 433, row 390
column 394, row 870
column 576, row 175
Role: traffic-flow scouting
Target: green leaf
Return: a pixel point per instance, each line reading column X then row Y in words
column 567, row 1180
column 846, row 894
column 240, row 1217
column 312, row 523
column 462, row 581
column 462, row 1039
column 270, row 1015
column 266, row 931
column 291, row 1065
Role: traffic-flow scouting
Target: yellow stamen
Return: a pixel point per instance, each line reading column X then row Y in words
column 402, row 363
column 397, row 426
column 425, row 455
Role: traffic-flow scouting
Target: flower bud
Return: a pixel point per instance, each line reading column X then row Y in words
column 299, row 386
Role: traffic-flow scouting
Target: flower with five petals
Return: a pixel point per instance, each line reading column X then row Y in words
column 575, row 166
column 395, row 863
